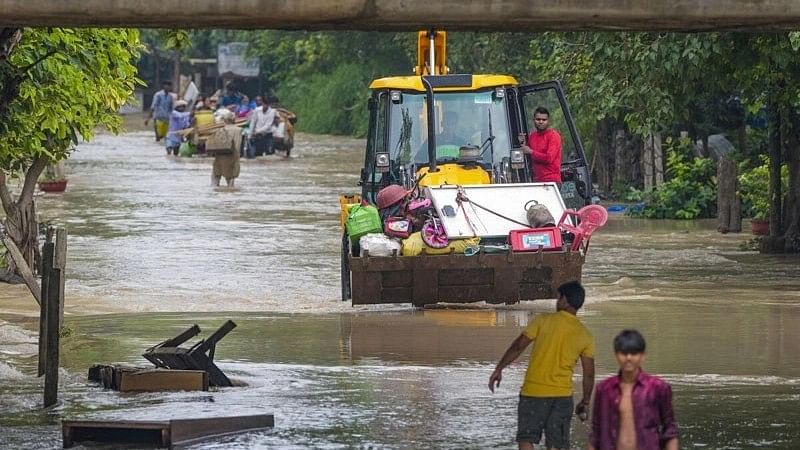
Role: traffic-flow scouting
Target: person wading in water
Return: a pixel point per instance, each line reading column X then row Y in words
column 545, row 401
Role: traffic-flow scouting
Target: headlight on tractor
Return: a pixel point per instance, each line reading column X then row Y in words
column 382, row 162
column 517, row 159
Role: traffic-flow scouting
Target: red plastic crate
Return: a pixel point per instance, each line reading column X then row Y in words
column 530, row 239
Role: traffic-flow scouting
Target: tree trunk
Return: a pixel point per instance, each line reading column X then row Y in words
column 647, row 162
column 792, row 222
column 791, row 201
column 729, row 210
column 775, row 161
column 633, row 158
column 658, row 160
column 784, row 214
column 20, row 222
column 603, row 155
column 23, row 229
column 621, row 163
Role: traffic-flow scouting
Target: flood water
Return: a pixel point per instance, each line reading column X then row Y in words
column 153, row 249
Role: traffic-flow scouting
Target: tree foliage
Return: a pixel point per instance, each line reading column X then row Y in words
column 690, row 191
column 56, row 86
column 74, row 80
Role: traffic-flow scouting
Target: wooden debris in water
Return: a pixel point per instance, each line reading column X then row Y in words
column 127, row 379
column 200, row 356
column 160, row 433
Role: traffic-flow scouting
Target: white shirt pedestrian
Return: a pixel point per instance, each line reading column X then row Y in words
column 261, row 121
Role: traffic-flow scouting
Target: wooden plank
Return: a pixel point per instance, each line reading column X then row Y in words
column 210, row 342
column 47, row 265
column 191, row 430
column 60, row 262
column 22, row 266
column 139, row 432
column 52, row 356
column 163, row 380
column 191, row 332
column 162, row 433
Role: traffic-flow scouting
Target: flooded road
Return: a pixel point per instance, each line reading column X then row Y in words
column 153, row 245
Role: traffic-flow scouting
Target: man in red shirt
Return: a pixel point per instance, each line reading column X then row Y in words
column 544, row 147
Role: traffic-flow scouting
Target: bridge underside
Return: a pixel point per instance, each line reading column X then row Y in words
column 389, row 15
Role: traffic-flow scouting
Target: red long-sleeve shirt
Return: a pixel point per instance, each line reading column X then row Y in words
column 546, row 156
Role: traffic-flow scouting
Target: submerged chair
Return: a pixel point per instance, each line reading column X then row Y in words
column 200, row 356
column 590, row 218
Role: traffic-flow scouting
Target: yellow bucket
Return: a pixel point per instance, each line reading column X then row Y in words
column 162, row 127
column 204, row 118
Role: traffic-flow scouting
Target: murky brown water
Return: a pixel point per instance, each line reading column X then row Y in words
column 150, row 241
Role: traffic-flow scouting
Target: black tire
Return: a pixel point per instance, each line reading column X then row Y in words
column 345, row 276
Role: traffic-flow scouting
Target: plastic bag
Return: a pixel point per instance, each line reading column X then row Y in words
column 186, row 149
column 378, row 244
column 219, row 142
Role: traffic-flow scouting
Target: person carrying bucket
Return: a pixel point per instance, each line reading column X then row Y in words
column 160, row 110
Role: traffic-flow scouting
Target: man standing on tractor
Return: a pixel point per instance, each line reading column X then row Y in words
column 544, row 148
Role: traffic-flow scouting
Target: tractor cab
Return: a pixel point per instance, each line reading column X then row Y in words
column 475, row 137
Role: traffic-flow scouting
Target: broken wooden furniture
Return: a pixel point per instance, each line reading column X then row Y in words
column 200, row 356
column 160, row 433
column 127, row 379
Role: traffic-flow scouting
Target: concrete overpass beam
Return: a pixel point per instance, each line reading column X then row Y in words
column 388, row 15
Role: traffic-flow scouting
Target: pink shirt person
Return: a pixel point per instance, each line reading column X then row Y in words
column 633, row 409
column 654, row 419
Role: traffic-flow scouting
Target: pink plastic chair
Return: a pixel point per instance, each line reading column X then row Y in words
column 590, row 218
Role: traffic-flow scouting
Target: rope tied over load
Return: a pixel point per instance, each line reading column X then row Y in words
column 461, row 198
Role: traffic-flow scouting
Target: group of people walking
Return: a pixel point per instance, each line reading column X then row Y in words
column 632, row 410
column 263, row 129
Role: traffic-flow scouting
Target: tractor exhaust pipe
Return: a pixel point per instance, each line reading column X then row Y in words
column 431, row 125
